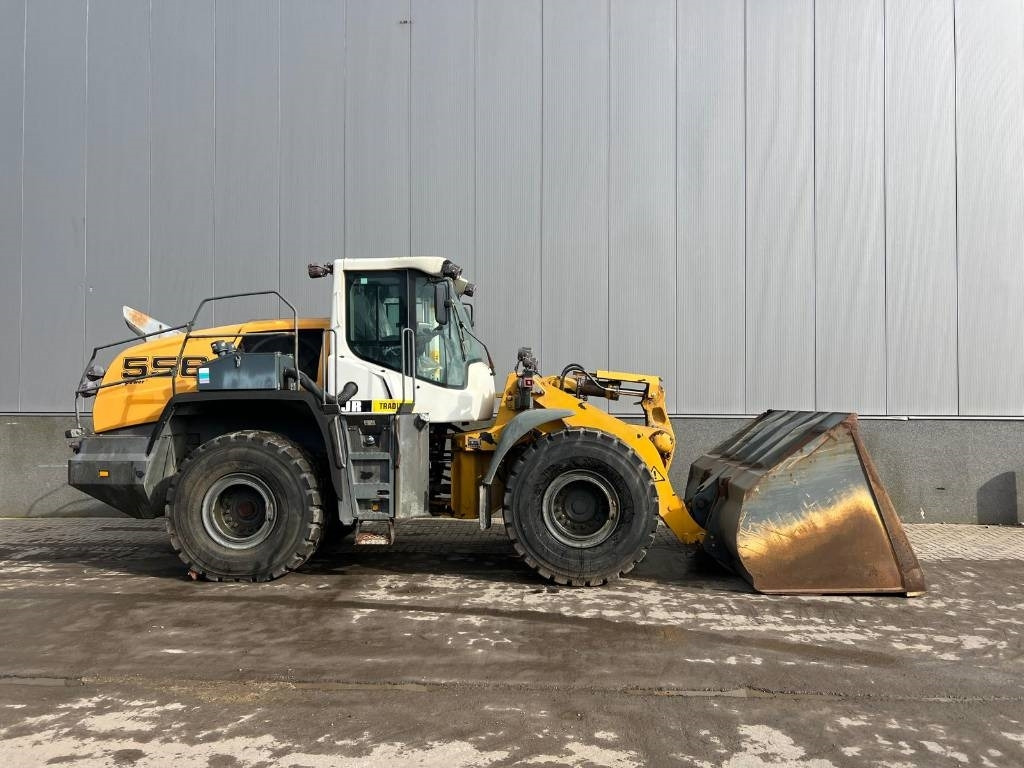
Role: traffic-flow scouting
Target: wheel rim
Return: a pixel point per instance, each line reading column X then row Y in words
column 581, row 508
column 239, row 511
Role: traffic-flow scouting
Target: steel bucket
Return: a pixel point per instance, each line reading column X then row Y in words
column 793, row 503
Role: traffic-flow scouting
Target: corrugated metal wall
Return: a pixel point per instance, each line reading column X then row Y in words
column 787, row 203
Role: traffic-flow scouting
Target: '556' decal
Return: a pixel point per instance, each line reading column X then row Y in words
column 137, row 367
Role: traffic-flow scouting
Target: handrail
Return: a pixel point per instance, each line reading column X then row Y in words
column 92, row 359
column 187, row 327
column 408, row 363
column 191, row 324
column 329, row 351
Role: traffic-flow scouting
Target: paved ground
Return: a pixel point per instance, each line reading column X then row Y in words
column 445, row 651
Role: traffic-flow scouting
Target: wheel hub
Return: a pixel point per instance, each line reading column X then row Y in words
column 239, row 511
column 581, row 508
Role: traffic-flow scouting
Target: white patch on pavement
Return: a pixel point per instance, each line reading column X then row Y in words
column 122, row 726
column 849, row 722
column 574, row 753
column 767, row 746
column 359, row 613
column 938, row 749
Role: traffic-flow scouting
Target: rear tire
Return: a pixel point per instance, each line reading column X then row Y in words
column 245, row 506
column 581, row 507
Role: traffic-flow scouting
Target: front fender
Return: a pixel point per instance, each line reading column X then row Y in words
column 521, row 424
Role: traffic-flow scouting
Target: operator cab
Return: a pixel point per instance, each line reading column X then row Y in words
column 402, row 333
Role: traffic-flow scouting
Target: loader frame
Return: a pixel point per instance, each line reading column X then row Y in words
column 595, row 477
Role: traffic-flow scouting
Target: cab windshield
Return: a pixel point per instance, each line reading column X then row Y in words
column 378, row 309
column 444, row 352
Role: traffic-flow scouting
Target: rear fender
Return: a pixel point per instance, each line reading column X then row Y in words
column 192, row 419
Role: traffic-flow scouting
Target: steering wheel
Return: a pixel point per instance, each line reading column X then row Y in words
column 391, row 356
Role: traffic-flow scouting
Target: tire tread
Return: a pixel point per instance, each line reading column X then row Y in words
column 576, row 435
column 303, row 470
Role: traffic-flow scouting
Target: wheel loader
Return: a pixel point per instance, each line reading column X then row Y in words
column 258, row 439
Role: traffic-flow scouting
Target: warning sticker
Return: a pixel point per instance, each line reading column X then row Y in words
column 387, row 406
column 656, row 475
column 373, row 406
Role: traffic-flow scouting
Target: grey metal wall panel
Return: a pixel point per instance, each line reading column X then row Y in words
column 443, row 77
column 117, row 208
column 247, row 187
column 377, row 129
column 641, row 190
column 920, row 195
column 534, row 134
column 711, row 207
column 248, row 157
column 12, row 104
column 990, row 205
column 574, row 290
column 312, row 147
column 780, row 205
column 508, row 178
column 181, row 247
column 849, row 206
column 53, row 239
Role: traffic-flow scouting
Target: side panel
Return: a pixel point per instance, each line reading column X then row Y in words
column 508, row 178
column 12, row 96
column 117, row 208
column 443, row 72
column 312, row 148
column 247, row 188
column 711, row 207
column 182, row 59
column 780, row 205
column 574, row 288
column 412, row 485
column 920, row 222
column 377, row 129
column 849, row 215
column 53, row 243
column 641, row 189
column 990, row 205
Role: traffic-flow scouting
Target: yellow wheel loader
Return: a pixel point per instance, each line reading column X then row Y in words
column 253, row 439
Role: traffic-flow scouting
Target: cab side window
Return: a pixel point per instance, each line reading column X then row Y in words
column 376, row 309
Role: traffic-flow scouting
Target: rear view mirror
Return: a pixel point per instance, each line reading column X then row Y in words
column 441, row 302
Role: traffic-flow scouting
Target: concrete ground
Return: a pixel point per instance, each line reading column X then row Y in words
column 446, row 651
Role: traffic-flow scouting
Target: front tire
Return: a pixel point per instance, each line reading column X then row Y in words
column 581, row 507
column 245, row 506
